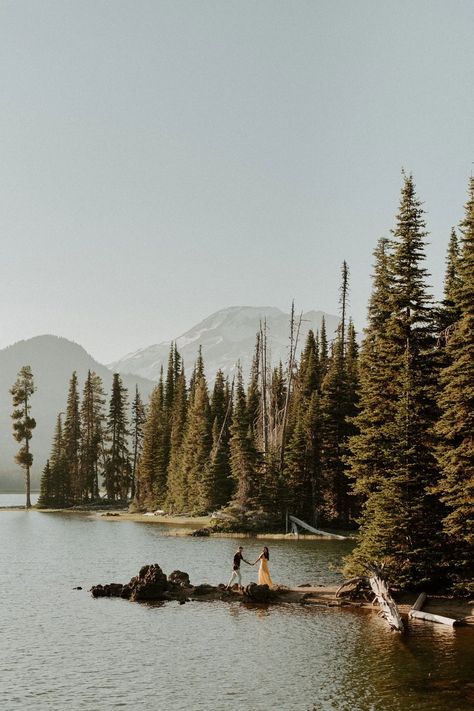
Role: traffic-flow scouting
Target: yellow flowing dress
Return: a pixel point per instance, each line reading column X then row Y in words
column 264, row 574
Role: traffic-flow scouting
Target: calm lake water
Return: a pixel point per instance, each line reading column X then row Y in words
column 17, row 499
column 62, row 649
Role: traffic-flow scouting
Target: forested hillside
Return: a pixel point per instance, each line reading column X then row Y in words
column 380, row 437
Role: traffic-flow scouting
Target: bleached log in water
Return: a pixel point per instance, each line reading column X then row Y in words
column 387, row 604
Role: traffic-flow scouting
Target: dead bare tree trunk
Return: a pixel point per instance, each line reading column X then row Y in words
column 293, row 346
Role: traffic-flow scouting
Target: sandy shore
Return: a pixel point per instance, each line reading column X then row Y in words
column 182, row 525
column 187, row 521
column 178, row 525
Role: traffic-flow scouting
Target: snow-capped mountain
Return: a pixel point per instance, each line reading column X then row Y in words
column 226, row 337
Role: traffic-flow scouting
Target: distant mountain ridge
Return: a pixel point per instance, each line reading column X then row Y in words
column 52, row 360
column 226, row 337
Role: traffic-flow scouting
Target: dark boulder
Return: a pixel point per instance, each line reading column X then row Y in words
column 110, row 590
column 151, row 584
column 178, row 577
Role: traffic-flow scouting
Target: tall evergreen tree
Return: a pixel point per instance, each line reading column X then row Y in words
column 456, row 424
column 59, row 468
column 451, row 308
column 324, row 352
column 337, row 406
column 310, row 370
column 152, row 474
column 400, row 519
column 197, row 442
column 303, row 460
column 197, row 374
column 334, row 504
column 216, row 487
column 23, row 423
column 177, row 486
column 138, row 422
column 254, row 396
column 370, row 447
column 46, row 495
column 118, row 467
column 344, row 299
column 92, row 422
column 72, row 485
column 243, row 454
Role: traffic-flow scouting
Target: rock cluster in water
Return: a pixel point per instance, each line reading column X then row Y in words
column 151, row 583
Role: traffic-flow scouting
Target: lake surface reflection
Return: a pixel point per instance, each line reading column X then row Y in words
column 61, row 649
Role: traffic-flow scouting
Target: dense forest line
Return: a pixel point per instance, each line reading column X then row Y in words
column 382, row 438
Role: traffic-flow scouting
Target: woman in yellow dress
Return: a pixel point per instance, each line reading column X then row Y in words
column 263, row 572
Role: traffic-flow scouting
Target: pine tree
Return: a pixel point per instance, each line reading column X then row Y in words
column 152, row 474
column 118, row 467
column 243, row 454
column 138, row 422
column 216, row 487
column 197, row 442
column 450, row 311
column 310, row 370
column 324, row 353
column 59, row 468
column 370, row 450
column 303, row 455
column 344, row 298
column 334, row 505
column 298, row 473
column 46, row 496
column 23, row 423
column 338, row 406
column 254, row 396
column 170, row 380
column 352, row 375
column 400, row 518
column 177, row 495
column 92, row 421
column 456, row 424
column 72, row 485
column 196, row 375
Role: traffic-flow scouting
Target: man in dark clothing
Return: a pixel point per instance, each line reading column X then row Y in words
column 236, row 568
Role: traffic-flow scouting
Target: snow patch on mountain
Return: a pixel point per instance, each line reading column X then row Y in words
column 226, row 337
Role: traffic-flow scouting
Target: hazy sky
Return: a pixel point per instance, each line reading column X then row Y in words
column 162, row 160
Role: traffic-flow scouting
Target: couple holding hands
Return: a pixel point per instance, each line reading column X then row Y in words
column 263, row 572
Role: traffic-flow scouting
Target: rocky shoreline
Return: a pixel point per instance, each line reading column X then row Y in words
column 152, row 584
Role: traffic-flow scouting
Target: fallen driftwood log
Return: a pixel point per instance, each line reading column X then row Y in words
column 374, row 588
column 417, row 614
column 388, row 607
